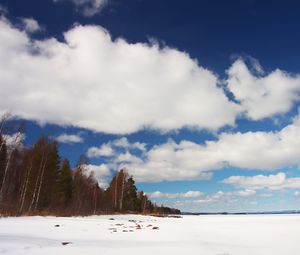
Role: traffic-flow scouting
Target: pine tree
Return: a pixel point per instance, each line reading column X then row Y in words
column 131, row 201
column 32, row 180
column 65, row 184
column 43, row 174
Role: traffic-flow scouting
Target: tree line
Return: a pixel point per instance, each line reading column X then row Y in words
column 36, row 181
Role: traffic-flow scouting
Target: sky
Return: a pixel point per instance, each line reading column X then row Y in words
column 198, row 100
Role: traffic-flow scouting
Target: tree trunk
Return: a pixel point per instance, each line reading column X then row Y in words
column 41, row 182
column 145, row 203
column 95, row 199
column 36, row 184
column 7, row 167
column 116, row 193
column 122, row 192
column 24, row 189
column 4, row 178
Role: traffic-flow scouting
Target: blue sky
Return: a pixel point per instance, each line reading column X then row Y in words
column 198, row 100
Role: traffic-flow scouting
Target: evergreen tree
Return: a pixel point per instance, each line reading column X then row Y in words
column 131, row 201
column 42, row 175
column 33, row 181
column 65, row 184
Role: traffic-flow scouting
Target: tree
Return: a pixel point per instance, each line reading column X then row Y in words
column 44, row 169
column 14, row 146
column 3, row 158
column 131, row 201
column 33, row 181
column 86, row 192
column 65, row 184
column 27, row 165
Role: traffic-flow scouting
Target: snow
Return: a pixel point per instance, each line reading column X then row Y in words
column 207, row 235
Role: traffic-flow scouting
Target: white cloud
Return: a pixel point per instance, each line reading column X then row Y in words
column 88, row 8
column 67, row 138
column 191, row 194
column 217, row 197
column 124, row 143
column 14, row 140
column 101, row 173
column 297, row 194
column 92, row 82
column 127, row 157
column 104, row 150
column 271, row 182
column 188, row 194
column 263, row 96
column 109, row 150
column 170, row 162
column 246, row 193
column 265, row 195
column 30, row 25
column 187, row 160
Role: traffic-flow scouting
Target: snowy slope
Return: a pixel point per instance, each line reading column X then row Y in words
column 134, row 234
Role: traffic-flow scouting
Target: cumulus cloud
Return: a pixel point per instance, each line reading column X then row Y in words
column 262, row 96
column 88, row 8
column 14, row 140
column 105, row 85
column 124, row 143
column 187, row 160
column 246, row 193
column 204, row 198
column 219, row 196
column 188, row 194
column 127, row 157
column 272, row 182
column 67, row 138
column 109, row 150
column 30, row 25
column 101, row 173
column 157, row 88
column 104, row 150
column 170, row 162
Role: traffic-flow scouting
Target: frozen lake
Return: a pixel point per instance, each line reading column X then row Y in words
column 134, row 234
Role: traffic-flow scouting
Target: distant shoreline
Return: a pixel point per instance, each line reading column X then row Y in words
column 242, row 213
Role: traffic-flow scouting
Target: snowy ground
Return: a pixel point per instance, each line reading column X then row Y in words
column 132, row 234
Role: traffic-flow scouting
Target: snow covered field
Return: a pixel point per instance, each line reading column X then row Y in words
column 133, row 234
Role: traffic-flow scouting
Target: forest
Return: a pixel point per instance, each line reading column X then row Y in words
column 37, row 181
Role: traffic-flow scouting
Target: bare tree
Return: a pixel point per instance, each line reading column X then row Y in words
column 124, row 175
column 116, row 193
column 41, row 183
column 14, row 145
column 95, row 198
column 37, row 182
column 5, row 117
column 25, row 186
column 3, row 120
